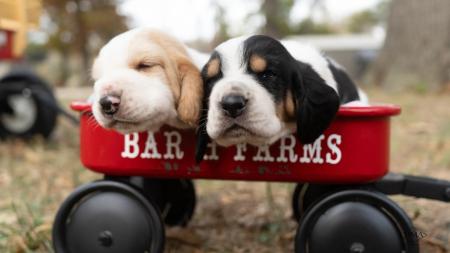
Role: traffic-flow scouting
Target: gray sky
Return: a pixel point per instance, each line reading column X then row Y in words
column 190, row 20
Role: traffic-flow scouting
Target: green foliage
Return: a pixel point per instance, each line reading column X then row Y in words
column 309, row 26
column 73, row 20
column 421, row 87
column 276, row 14
column 74, row 24
column 362, row 21
column 35, row 52
column 78, row 27
column 29, row 234
column 222, row 33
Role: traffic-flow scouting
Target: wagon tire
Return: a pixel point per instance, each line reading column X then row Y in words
column 306, row 194
column 107, row 217
column 175, row 198
column 356, row 221
column 27, row 106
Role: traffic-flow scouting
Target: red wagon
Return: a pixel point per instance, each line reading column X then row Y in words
column 341, row 185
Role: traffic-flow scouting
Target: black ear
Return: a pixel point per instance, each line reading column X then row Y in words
column 210, row 73
column 316, row 103
column 202, row 136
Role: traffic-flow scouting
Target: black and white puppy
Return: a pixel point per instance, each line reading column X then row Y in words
column 258, row 89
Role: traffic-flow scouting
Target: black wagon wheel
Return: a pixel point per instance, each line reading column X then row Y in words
column 306, row 194
column 176, row 199
column 27, row 106
column 107, row 217
column 356, row 221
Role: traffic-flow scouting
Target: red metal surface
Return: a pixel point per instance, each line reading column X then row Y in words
column 6, row 44
column 354, row 149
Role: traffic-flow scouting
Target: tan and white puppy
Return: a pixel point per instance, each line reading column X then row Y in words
column 144, row 79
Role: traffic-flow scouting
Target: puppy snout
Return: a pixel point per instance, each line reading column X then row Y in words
column 109, row 104
column 233, row 105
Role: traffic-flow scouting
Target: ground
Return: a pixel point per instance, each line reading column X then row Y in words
column 36, row 176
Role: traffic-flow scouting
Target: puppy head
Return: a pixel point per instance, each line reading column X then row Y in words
column 144, row 79
column 255, row 89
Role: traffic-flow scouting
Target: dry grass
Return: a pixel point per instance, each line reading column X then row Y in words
column 231, row 216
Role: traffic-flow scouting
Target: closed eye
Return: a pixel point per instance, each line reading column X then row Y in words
column 266, row 75
column 144, row 66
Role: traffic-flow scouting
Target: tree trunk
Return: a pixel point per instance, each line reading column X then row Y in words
column 417, row 47
column 82, row 43
column 270, row 9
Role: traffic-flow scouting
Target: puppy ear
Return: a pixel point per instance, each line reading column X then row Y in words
column 316, row 103
column 202, row 135
column 210, row 72
column 191, row 92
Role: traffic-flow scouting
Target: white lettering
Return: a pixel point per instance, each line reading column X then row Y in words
column 240, row 149
column 312, row 151
column 131, row 147
column 263, row 150
column 151, row 150
column 213, row 155
column 289, row 148
column 173, row 140
column 333, row 146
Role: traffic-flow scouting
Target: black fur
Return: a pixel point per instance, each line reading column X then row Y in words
column 316, row 103
column 346, row 87
column 278, row 59
column 208, row 84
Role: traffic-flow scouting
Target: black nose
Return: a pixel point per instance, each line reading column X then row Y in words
column 233, row 105
column 109, row 104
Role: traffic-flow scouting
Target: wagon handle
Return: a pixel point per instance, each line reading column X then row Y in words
column 414, row 186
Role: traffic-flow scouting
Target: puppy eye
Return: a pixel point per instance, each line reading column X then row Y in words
column 143, row 66
column 267, row 74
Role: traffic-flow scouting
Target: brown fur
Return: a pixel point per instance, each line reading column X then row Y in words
column 257, row 63
column 183, row 77
column 286, row 108
column 289, row 105
column 212, row 68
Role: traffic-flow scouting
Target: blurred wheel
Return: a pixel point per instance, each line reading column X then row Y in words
column 26, row 106
column 176, row 199
column 21, row 114
column 356, row 221
column 306, row 194
column 107, row 217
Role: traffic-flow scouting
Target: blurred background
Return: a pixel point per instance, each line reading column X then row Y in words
column 397, row 50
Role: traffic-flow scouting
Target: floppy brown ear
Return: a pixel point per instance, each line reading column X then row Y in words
column 191, row 92
column 316, row 103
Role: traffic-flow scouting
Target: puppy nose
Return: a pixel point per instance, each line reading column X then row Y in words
column 109, row 104
column 233, row 105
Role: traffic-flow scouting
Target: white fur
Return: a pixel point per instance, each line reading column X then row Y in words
column 309, row 54
column 146, row 102
column 198, row 58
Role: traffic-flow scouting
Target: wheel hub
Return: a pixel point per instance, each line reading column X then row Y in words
column 357, row 247
column 23, row 114
column 105, row 238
